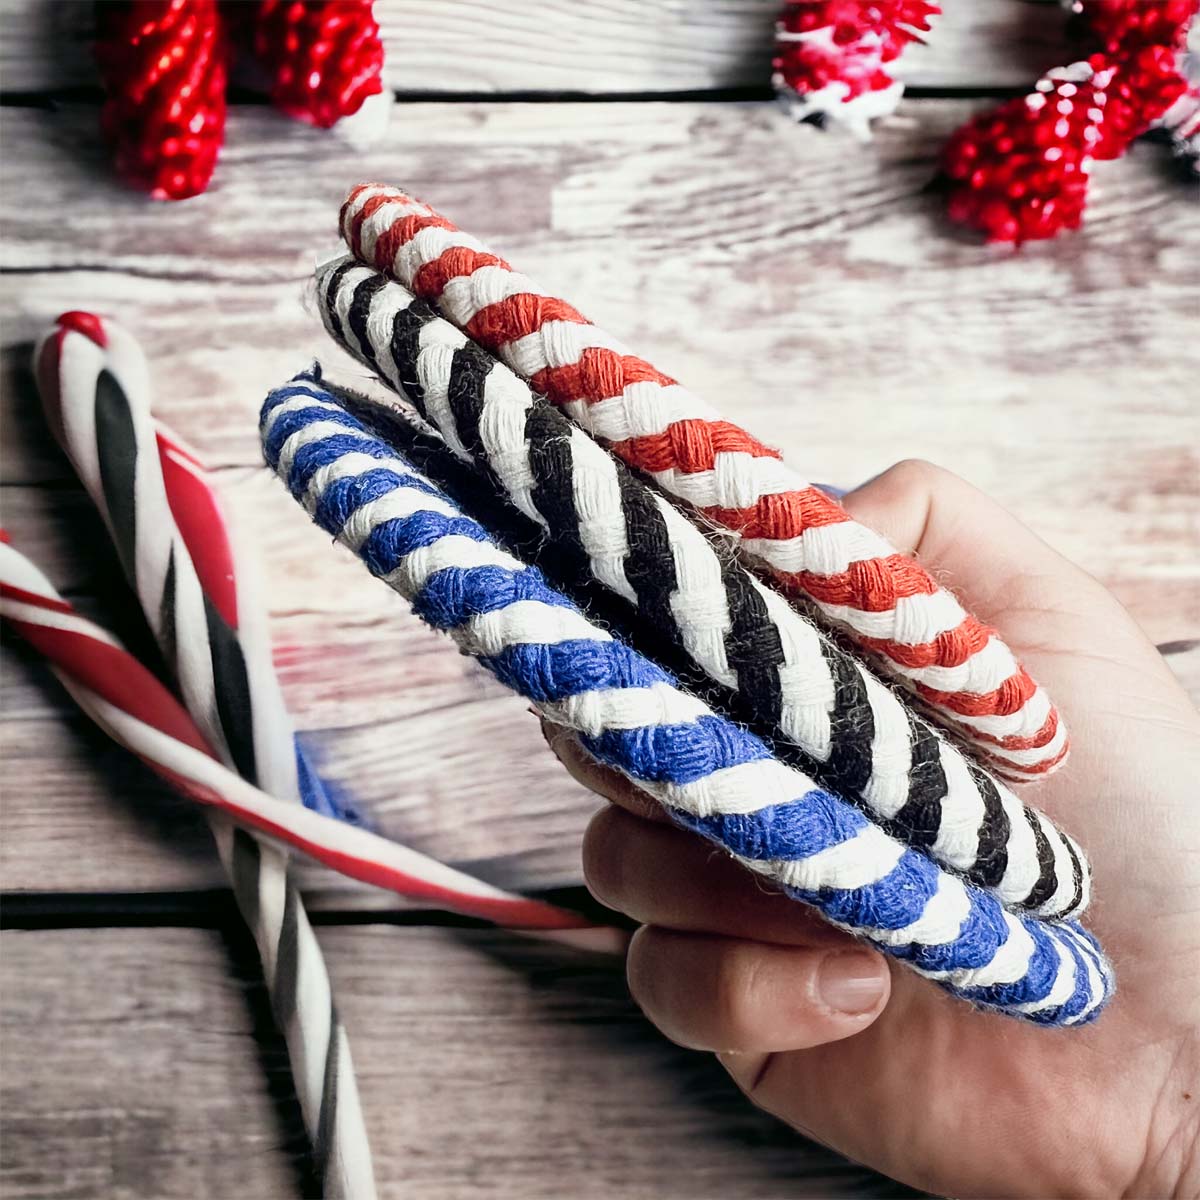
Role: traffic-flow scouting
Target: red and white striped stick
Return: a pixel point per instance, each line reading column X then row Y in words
column 885, row 601
column 136, row 710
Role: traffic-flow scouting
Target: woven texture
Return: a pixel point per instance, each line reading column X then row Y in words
column 710, row 775
column 855, row 734
column 888, row 603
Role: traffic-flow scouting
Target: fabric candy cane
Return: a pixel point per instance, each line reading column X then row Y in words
column 709, row 774
column 173, row 540
column 888, row 603
column 95, row 389
column 856, row 735
column 137, row 711
column 176, row 549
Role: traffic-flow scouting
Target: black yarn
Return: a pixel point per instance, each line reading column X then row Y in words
column 406, row 342
column 1047, row 883
column 921, row 814
column 753, row 645
column 550, row 462
column 850, row 762
column 991, row 859
column 469, row 370
column 651, row 571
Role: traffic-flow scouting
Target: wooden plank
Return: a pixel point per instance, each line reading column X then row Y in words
column 159, row 1081
column 479, row 47
column 806, row 288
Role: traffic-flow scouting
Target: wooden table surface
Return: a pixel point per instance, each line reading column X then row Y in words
column 803, row 282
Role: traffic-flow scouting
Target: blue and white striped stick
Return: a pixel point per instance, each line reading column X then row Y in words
column 710, row 775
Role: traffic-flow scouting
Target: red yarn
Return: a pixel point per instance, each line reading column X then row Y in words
column 163, row 66
column 325, row 56
column 822, row 42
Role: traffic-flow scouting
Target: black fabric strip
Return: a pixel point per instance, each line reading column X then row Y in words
column 650, row 565
column 548, row 435
column 851, row 760
column 235, row 710
column 1047, row 883
column 406, row 345
column 919, row 819
column 332, row 287
column 753, row 645
column 994, row 832
column 360, row 309
column 469, row 371
column 1078, row 871
column 116, row 447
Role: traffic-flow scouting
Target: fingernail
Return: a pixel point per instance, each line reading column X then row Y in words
column 850, row 982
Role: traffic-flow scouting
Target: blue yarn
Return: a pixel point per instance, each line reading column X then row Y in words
column 678, row 753
column 453, row 591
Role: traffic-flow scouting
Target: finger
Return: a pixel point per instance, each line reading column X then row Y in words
column 604, row 781
column 659, row 875
column 736, row 996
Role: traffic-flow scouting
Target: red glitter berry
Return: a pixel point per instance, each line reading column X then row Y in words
column 1139, row 88
column 325, row 56
column 163, row 66
column 1020, row 172
column 1123, row 26
column 819, row 42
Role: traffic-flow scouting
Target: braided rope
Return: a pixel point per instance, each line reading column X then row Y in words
column 859, row 739
column 887, row 602
column 710, row 775
column 95, row 388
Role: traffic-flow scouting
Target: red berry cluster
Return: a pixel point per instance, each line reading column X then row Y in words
column 163, row 67
column 822, row 42
column 1021, row 171
column 163, row 64
column 325, row 58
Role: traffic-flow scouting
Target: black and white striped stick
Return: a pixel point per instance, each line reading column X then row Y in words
column 94, row 385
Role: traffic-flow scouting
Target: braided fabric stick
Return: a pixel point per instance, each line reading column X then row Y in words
column 710, row 775
column 856, row 735
column 887, row 602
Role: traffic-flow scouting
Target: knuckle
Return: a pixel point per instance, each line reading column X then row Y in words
column 915, row 474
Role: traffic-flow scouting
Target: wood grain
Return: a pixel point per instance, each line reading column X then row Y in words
column 477, row 47
column 141, row 1063
column 807, row 290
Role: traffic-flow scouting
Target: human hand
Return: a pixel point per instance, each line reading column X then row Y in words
column 880, row 1064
